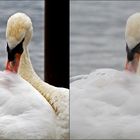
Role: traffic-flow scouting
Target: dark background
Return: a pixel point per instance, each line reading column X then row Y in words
column 57, row 43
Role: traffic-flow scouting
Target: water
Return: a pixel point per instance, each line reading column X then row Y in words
column 97, row 34
column 35, row 9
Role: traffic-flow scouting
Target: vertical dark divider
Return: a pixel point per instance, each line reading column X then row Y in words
column 57, row 42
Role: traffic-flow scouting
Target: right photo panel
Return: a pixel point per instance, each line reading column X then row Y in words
column 104, row 69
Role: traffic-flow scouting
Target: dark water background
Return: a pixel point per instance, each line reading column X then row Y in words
column 35, row 9
column 97, row 34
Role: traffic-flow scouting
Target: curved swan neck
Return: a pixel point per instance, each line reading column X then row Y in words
column 25, row 66
column 27, row 72
column 58, row 98
column 26, row 69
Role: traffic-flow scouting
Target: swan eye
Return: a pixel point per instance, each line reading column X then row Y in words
column 11, row 52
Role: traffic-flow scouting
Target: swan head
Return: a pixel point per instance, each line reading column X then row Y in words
column 18, row 35
column 132, row 37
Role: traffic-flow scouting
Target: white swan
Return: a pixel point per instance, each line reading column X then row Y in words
column 19, row 28
column 132, row 36
column 24, row 113
column 106, row 103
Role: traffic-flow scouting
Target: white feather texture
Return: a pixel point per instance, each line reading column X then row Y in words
column 105, row 105
column 24, row 113
column 17, row 29
column 58, row 98
column 132, row 32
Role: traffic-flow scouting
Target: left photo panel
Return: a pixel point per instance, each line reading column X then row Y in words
column 34, row 100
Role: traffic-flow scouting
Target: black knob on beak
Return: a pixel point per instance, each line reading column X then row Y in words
column 11, row 52
column 131, row 52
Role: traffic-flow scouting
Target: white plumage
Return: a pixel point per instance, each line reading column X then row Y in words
column 105, row 104
column 19, row 27
column 132, row 31
column 24, row 113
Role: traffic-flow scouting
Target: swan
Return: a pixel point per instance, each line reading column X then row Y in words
column 24, row 113
column 105, row 104
column 19, row 30
column 132, row 37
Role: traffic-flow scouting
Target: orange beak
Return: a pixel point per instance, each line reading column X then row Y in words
column 132, row 66
column 13, row 65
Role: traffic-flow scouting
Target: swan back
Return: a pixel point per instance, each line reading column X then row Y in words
column 105, row 104
column 24, row 113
